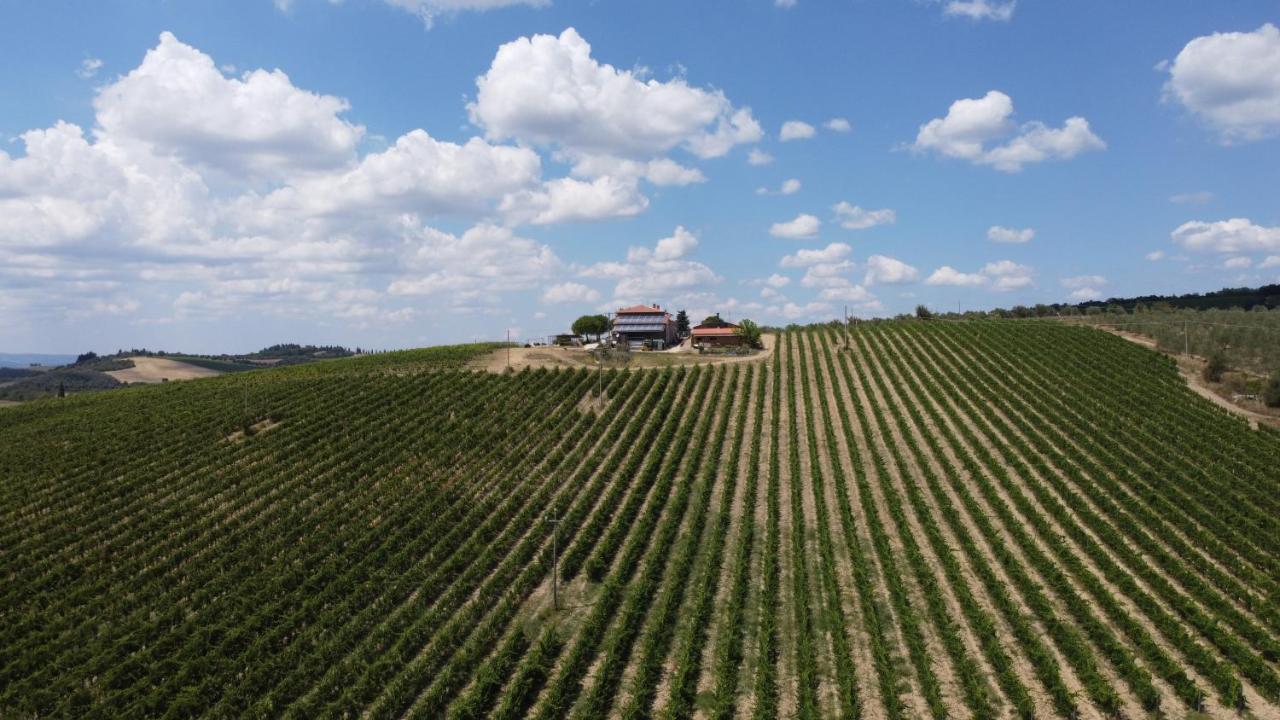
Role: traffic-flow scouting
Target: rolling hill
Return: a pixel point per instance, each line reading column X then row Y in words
column 898, row 519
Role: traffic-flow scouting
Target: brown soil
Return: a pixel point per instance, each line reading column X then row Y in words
column 154, row 370
column 259, row 427
column 1260, row 707
column 1044, row 706
column 519, row 358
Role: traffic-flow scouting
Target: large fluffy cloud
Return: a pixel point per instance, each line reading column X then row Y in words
column 418, row 174
column 549, row 90
column 973, row 129
column 947, row 275
column 1001, row 275
column 204, row 193
column 1232, row 81
column 649, row 274
column 884, row 270
column 178, row 102
column 1237, row 235
column 469, row 265
column 570, row 292
column 570, row 199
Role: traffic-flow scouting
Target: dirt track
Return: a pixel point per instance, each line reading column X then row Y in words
column 1190, row 369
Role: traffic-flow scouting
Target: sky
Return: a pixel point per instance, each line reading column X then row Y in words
column 211, row 177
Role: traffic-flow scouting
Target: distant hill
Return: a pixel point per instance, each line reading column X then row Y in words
column 22, row 360
column 1224, row 299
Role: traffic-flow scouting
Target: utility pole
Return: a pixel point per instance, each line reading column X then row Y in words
column 508, row 348
column 554, row 519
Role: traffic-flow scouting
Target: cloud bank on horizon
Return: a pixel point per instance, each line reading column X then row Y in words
column 199, row 194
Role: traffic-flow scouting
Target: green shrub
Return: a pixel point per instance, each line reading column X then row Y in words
column 1216, row 367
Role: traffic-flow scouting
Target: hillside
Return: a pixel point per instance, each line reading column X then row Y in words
column 910, row 519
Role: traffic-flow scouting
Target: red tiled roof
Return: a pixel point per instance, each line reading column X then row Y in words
column 714, row 331
column 640, row 310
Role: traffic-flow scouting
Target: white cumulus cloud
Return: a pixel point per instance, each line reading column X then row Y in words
column 947, row 275
column 997, row 233
column 1008, row 275
column 570, row 292
column 178, row 103
column 549, row 90
column 884, row 270
column 756, row 156
column 832, row 253
column 838, row 124
column 803, row 226
column 1231, row 81
column 852, row 217
column 795, row 130
column 1237, row 235
column 651, row 274
column 680, row 243
column 973, row 129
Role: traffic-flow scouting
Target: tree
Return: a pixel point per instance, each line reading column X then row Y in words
column 1271, row 393
column 682, row 322
column 750, row 332
column 86, row 357
column 1215, row 368
column 923, row 313
column 713, row 321
column 596, row 325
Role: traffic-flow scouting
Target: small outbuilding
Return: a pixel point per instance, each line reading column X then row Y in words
column 716, row 334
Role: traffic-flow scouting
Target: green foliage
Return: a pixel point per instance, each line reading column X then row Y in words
column 750, row 333
column 923, row 313
column 1271, row 391
column 591, row 325
column 682, row 322
column 1215, row 367
column 893, row 519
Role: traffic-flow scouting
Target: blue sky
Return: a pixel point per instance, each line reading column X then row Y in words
column 389, row 173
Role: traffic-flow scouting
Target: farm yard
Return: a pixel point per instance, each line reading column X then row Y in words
column 887, row 520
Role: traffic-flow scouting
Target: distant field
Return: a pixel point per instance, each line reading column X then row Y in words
column 155, row 369
column 909, row 519
column 1248, row 339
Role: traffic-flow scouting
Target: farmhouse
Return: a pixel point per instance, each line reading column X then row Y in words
column 644, row 326
column 716, row 333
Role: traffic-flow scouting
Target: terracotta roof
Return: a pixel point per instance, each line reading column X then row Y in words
column 640, row 310
column 714, row 331
column 722, row 324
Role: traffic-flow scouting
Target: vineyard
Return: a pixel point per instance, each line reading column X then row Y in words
column 900, row 519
